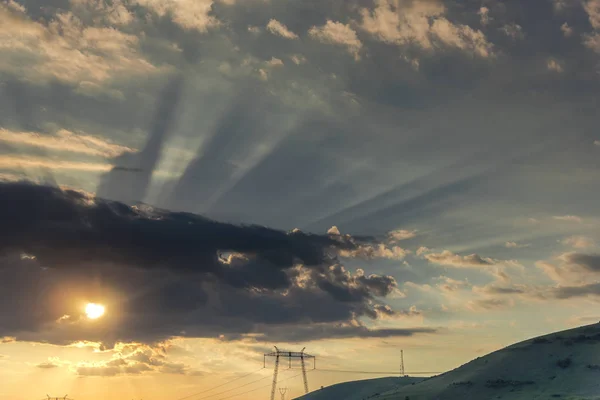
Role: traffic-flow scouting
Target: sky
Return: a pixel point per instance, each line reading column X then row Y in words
column 357, row 177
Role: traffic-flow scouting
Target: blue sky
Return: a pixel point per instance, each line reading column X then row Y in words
column 459, row 137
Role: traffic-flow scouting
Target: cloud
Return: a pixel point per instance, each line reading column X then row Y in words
column 66, row 141
column 592, row 39
column 337, row 33
column 380, row 250
column 47, row 365
column 188, row 14
column 579, row 242
column 28, row 162
column 566, row 30
column 568, row 292
column 513, row 31
column 403, row 22
column 597, row 142
column 298, row 59
column 484, row 16
column 67, row 50
column 450, row 285
column 422, row 250
column 163, row 274
column 592, row 7
column 554, row 65
column 489, row 304
column 449, row 259
column 568, row 218
column 589, row 262
column 401, row 234
column 515, row 245
column 572, row 268
column 133, row 360
column 279, row 29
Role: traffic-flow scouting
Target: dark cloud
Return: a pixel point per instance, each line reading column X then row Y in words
column 163, row 274
column 590, row 262
column 567, row 292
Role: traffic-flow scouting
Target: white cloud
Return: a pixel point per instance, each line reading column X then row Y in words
column 298, row 59
column 403, row 22
column 102, row 11
column 14, row 6
column 484, row 16
column 513, row 31
column 279, row 29
column 254, row 29
column 578, row 242
column 337, row 33
column 449, row 259
column 515, row 245
column 334, row 231
column 592, row 7
column 566, row 29
column 275, row 62
column 554, row 65
column 369, row 252
column 65, row 140
column 568, row 218
column 422, row 250
column 401, row 234
column 188, row 14
column 67, row 51
column 592, row 41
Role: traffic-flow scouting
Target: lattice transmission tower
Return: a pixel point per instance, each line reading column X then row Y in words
column 278, row 354
column 283, row 391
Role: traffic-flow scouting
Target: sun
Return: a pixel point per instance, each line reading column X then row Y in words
column 94, row 311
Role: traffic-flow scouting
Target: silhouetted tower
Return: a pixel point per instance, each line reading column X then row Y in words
column 290, row 355
column 283, row 391
column 402, row 363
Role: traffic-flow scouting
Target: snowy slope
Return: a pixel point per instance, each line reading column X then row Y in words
column 564, row 365
column 359, row 390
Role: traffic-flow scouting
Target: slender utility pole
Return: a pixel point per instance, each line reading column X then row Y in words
column 402, row 363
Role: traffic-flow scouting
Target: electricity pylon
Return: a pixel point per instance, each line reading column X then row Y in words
column 283, row 392
column 289, row 355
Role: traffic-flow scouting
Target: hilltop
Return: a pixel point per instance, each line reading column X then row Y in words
column 563, row 365
column 367, row 389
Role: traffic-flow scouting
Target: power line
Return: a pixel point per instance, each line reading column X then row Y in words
column 235, row 388
column 262, row 387
column 216, row 387
column 375, row 372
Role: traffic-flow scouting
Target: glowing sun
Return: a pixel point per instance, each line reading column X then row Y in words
column 94, row 311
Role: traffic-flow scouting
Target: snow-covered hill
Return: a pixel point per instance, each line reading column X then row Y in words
column 359, row 390
column 563, row 365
